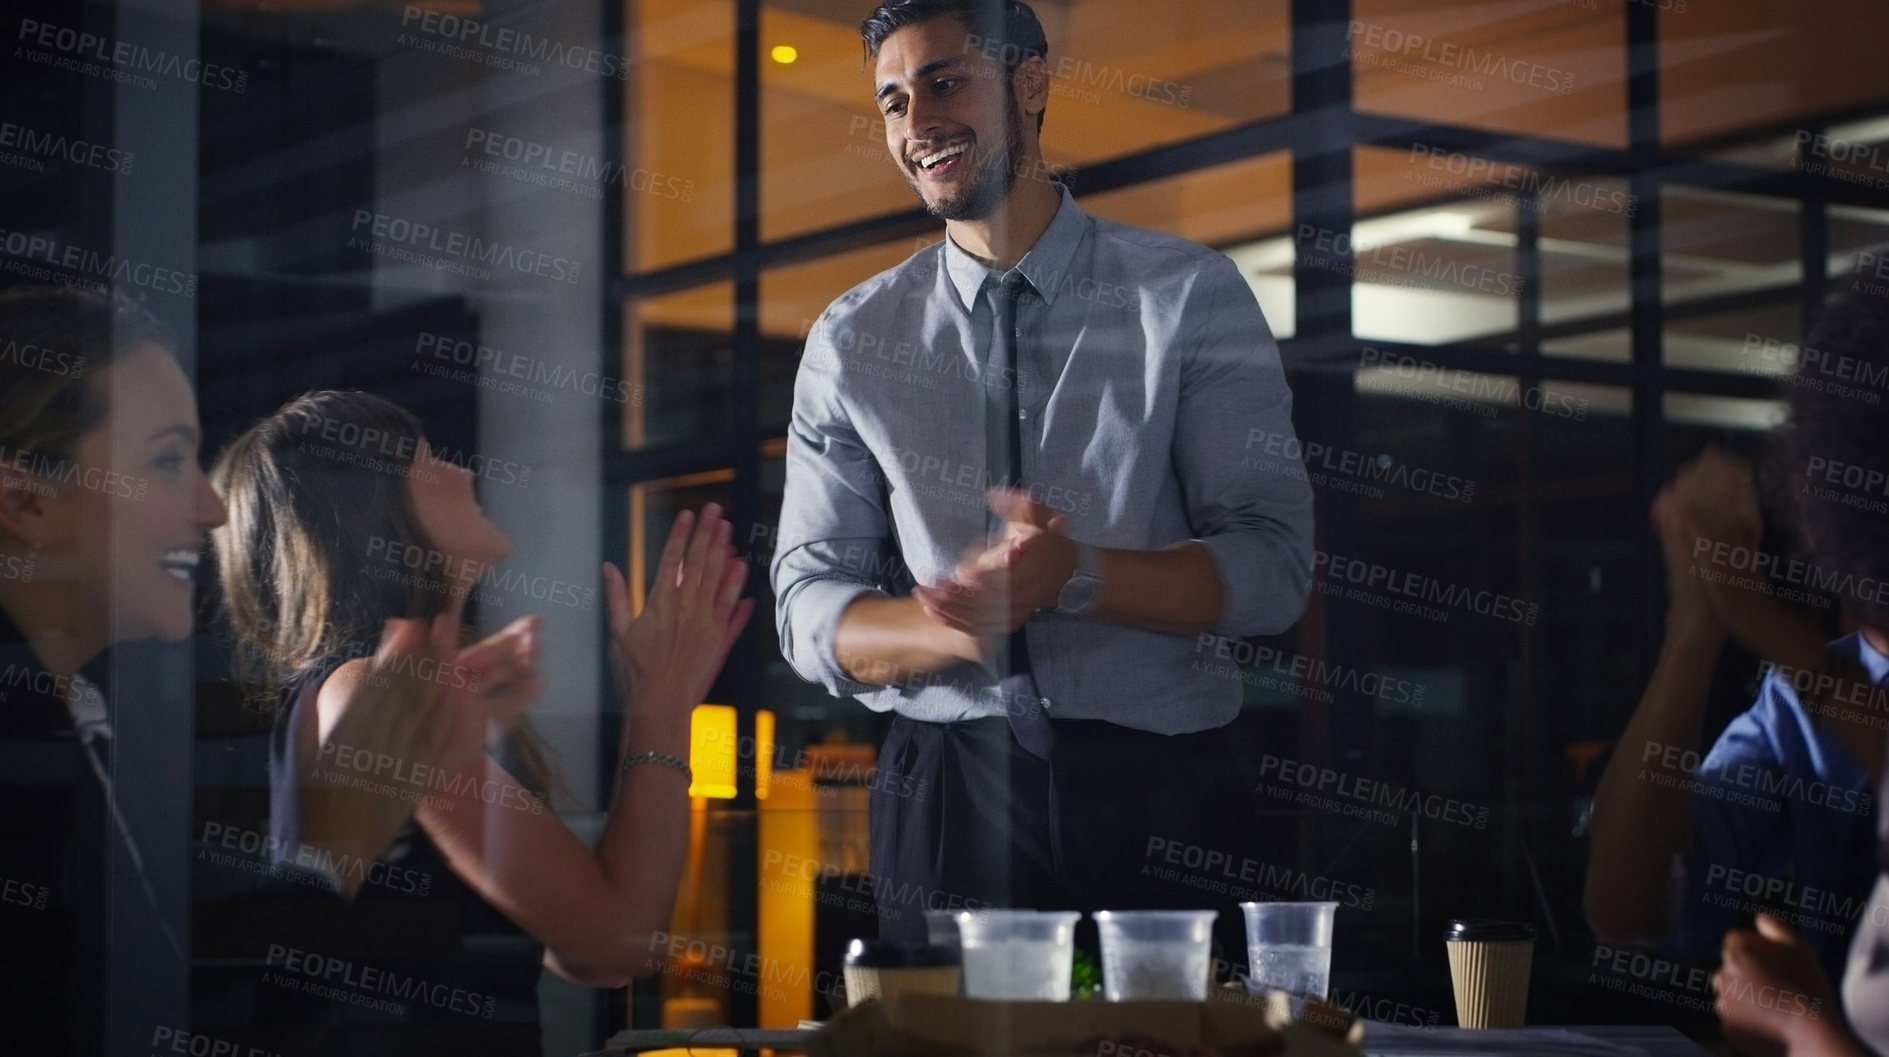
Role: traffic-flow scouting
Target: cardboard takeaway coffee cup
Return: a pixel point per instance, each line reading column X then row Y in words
column 1489, row 963
column 880, row 969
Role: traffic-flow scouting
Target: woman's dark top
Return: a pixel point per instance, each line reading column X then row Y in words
column 418, row 963
column 53, row 829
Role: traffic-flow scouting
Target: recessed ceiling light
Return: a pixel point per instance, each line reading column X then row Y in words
column 784, row 53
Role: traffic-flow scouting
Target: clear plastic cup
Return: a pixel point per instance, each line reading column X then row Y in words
column 1154, row 954
column 1018, row 953
column 1288, row 948
column 941, row 928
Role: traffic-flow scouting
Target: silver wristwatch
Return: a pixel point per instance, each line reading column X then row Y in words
column 1084, row 588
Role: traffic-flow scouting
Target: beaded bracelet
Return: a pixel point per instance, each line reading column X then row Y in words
column 661, row 759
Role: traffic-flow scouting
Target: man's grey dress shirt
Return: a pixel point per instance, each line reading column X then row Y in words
column 1149, row 389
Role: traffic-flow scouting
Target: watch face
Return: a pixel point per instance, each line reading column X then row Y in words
column 1078, row 594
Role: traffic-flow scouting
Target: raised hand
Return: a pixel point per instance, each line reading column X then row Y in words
column 1688, row 601
column 667, row 656
column 397, row 707
column 1713, row 500
column 494, row 682
column 1710, row 520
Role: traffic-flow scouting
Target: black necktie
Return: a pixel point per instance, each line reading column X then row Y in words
column 1003, row 462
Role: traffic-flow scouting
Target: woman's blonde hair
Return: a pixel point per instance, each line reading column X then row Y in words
column 55, row 341
column 320, row 516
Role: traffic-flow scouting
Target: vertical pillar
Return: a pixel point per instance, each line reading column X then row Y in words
column 153, row 687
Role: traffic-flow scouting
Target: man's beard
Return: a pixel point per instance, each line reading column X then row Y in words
column 990, row 182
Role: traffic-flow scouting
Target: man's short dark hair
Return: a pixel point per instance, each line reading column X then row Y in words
column 1006, row 30
column 1841, row 427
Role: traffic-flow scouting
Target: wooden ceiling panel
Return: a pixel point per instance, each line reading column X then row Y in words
column 1758, row 63
column 1220, row 206
column 1519, row 66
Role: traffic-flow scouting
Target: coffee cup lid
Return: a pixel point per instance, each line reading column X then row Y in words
column 887, row 954
column 1486, row 930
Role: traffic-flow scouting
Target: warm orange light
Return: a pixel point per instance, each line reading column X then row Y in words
column 763, row 752
column 712, row 751
column 790, row 824
column 715, row 751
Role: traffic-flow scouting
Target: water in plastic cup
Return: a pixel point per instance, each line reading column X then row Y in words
column 1017, row 953
column 1153, row 954
column 1302, row 972
column 1288, row 946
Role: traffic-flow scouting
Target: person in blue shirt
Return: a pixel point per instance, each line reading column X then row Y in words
column 1762, row 853
column 1772, row 987
column 1777, row 815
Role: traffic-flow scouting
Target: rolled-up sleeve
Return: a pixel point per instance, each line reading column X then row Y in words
column 834, row 528
column 1253, row 514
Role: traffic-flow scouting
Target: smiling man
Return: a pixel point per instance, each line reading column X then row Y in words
column 1015, row 508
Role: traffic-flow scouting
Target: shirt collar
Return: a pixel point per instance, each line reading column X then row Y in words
column 1044, row 265
column 87, row 706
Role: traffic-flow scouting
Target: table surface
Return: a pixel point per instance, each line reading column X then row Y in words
column 1658, row 1040
column 1654, row 1040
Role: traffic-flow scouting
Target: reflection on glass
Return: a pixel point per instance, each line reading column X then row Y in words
column 1585, row 246
column 1771, row 152
column 806, row 715
column 653, row 509
column 1124, row 76
column 1384, row 178
column 1855, row 232
column 794, row 296
column 1227, row 207
column 824, row 752
column 1552, row 516
column 1221, row 205
column 1431, row 276
column 1727, row 68
column 1459, row 663
column 1389, row 373
column 697, row 988
column 1613, row 345
column 1127, row 75
column 1505, row 68
column 1759, row 339
column 823, row 152
column 1854, row 152
column 678, row 113
column 1722, row 412
column 1718, row 242
column 678, row 357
